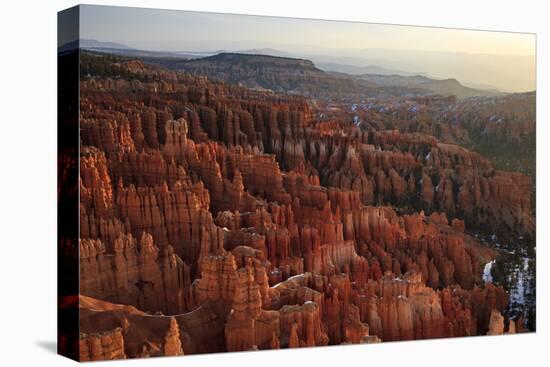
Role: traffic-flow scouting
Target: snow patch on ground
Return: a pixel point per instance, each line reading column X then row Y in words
column 487, row 277
column 517, row 294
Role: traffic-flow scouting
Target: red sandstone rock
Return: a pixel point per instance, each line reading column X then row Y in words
column 251, row 225
column 496, row 323
column 135, row 275
column 172, row 343
column 102, row 346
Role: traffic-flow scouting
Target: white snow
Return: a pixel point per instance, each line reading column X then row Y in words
column 517, row 294
column 295, row 276
column 487, row 277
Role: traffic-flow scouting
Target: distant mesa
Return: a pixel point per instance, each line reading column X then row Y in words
column 449, row 86
column 358, row 70
column 302, row 76
column 271, row 69
column 91, row 43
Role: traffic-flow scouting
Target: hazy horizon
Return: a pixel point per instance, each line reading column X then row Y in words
column 502, row 60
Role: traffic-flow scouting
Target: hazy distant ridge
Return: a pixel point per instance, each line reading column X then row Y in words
column 360, row 79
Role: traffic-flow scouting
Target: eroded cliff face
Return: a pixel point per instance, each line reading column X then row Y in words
column 217, row 218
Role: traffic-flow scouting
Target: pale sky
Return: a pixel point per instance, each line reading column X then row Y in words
column 171, row 30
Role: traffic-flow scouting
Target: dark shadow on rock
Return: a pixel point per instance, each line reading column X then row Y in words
column 49, row 345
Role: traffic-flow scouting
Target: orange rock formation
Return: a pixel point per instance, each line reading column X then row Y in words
column 218, row 218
